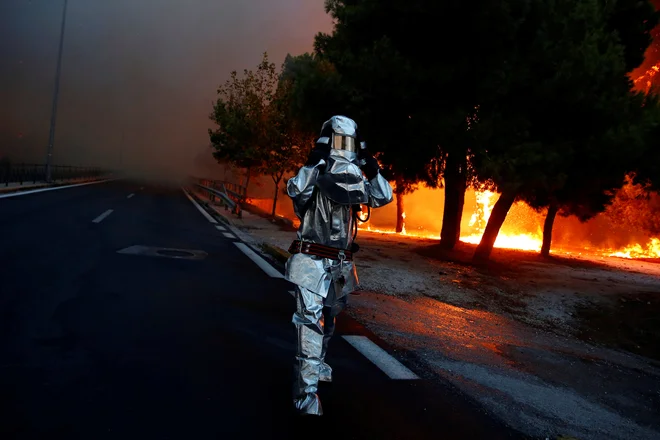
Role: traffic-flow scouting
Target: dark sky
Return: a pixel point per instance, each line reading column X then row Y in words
column 145, row 70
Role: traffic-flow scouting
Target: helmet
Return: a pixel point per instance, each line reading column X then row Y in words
column 340, row 133
column 342, row 181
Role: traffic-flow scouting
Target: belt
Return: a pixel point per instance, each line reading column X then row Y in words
column 319, row 250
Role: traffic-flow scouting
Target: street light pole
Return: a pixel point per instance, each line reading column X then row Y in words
column 56, row 93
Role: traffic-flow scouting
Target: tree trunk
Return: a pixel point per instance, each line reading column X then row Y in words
column 247, row 181
column 455, row 184
column 547, row 228
column 497, row 217
column 277, row 190
column 399, row 209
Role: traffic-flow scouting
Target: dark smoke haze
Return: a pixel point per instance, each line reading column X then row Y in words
column 138, row 76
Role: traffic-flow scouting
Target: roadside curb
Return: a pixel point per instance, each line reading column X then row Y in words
column 209, row 208
column 276, row 252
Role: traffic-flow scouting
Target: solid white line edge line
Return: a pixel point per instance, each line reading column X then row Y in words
column 53, row 188
column 102, row 217
column 199, row 208
column 379, row 357
column 263, row 264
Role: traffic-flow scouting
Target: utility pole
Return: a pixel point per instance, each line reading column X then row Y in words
column 56, row 93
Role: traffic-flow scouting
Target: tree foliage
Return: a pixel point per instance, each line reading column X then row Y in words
column 315, row 89
column 567, row 126
column 417, row 80
column 255, row 130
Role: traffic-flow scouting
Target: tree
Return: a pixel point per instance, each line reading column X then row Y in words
column 589, row 190
column 289, row 143
column 597, row 172
column 415, row 105
column 568, row 101
column 255, row 130
column 234, row 140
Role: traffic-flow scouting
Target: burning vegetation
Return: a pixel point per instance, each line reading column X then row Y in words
column 629, row 228
column 626, row 229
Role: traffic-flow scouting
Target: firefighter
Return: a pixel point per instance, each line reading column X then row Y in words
column 339, row 176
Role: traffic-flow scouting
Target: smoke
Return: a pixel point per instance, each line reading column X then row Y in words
column 138, row 76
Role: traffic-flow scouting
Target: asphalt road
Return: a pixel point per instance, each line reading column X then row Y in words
column 98, row 344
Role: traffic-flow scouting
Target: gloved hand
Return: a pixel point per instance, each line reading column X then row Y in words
column 370, row 167
column 316, row 155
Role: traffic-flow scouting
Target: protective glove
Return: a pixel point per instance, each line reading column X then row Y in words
column 316, row 155
column 370, row 167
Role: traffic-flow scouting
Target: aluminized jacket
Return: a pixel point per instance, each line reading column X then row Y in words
column 329, row 222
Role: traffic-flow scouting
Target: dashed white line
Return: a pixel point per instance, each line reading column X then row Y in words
column 199, row 208
column 229, row 235
column 101, row 217
column 53, row 188
column 129, row 196
column 379, row 357
column 220, row 228
column 270, row 270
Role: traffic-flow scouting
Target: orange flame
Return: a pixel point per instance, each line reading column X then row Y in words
column 646, row 79
column 479, row 220
column 651, row 250
column 485, row 201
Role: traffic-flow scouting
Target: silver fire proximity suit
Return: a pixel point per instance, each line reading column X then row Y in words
column 325, row 193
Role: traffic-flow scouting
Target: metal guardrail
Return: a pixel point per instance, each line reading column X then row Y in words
column 34, row 173
column 237, row 192
column 230, row 195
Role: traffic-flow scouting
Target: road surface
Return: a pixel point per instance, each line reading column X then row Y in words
column 99, row 339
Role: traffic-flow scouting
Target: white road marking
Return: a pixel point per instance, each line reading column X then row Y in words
column 390, row 366
column 263, row 264
column 220, row 228
column 199, row 208
column 130, row 195
column 53, row 188
column 228, row 235
column 101, row 217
